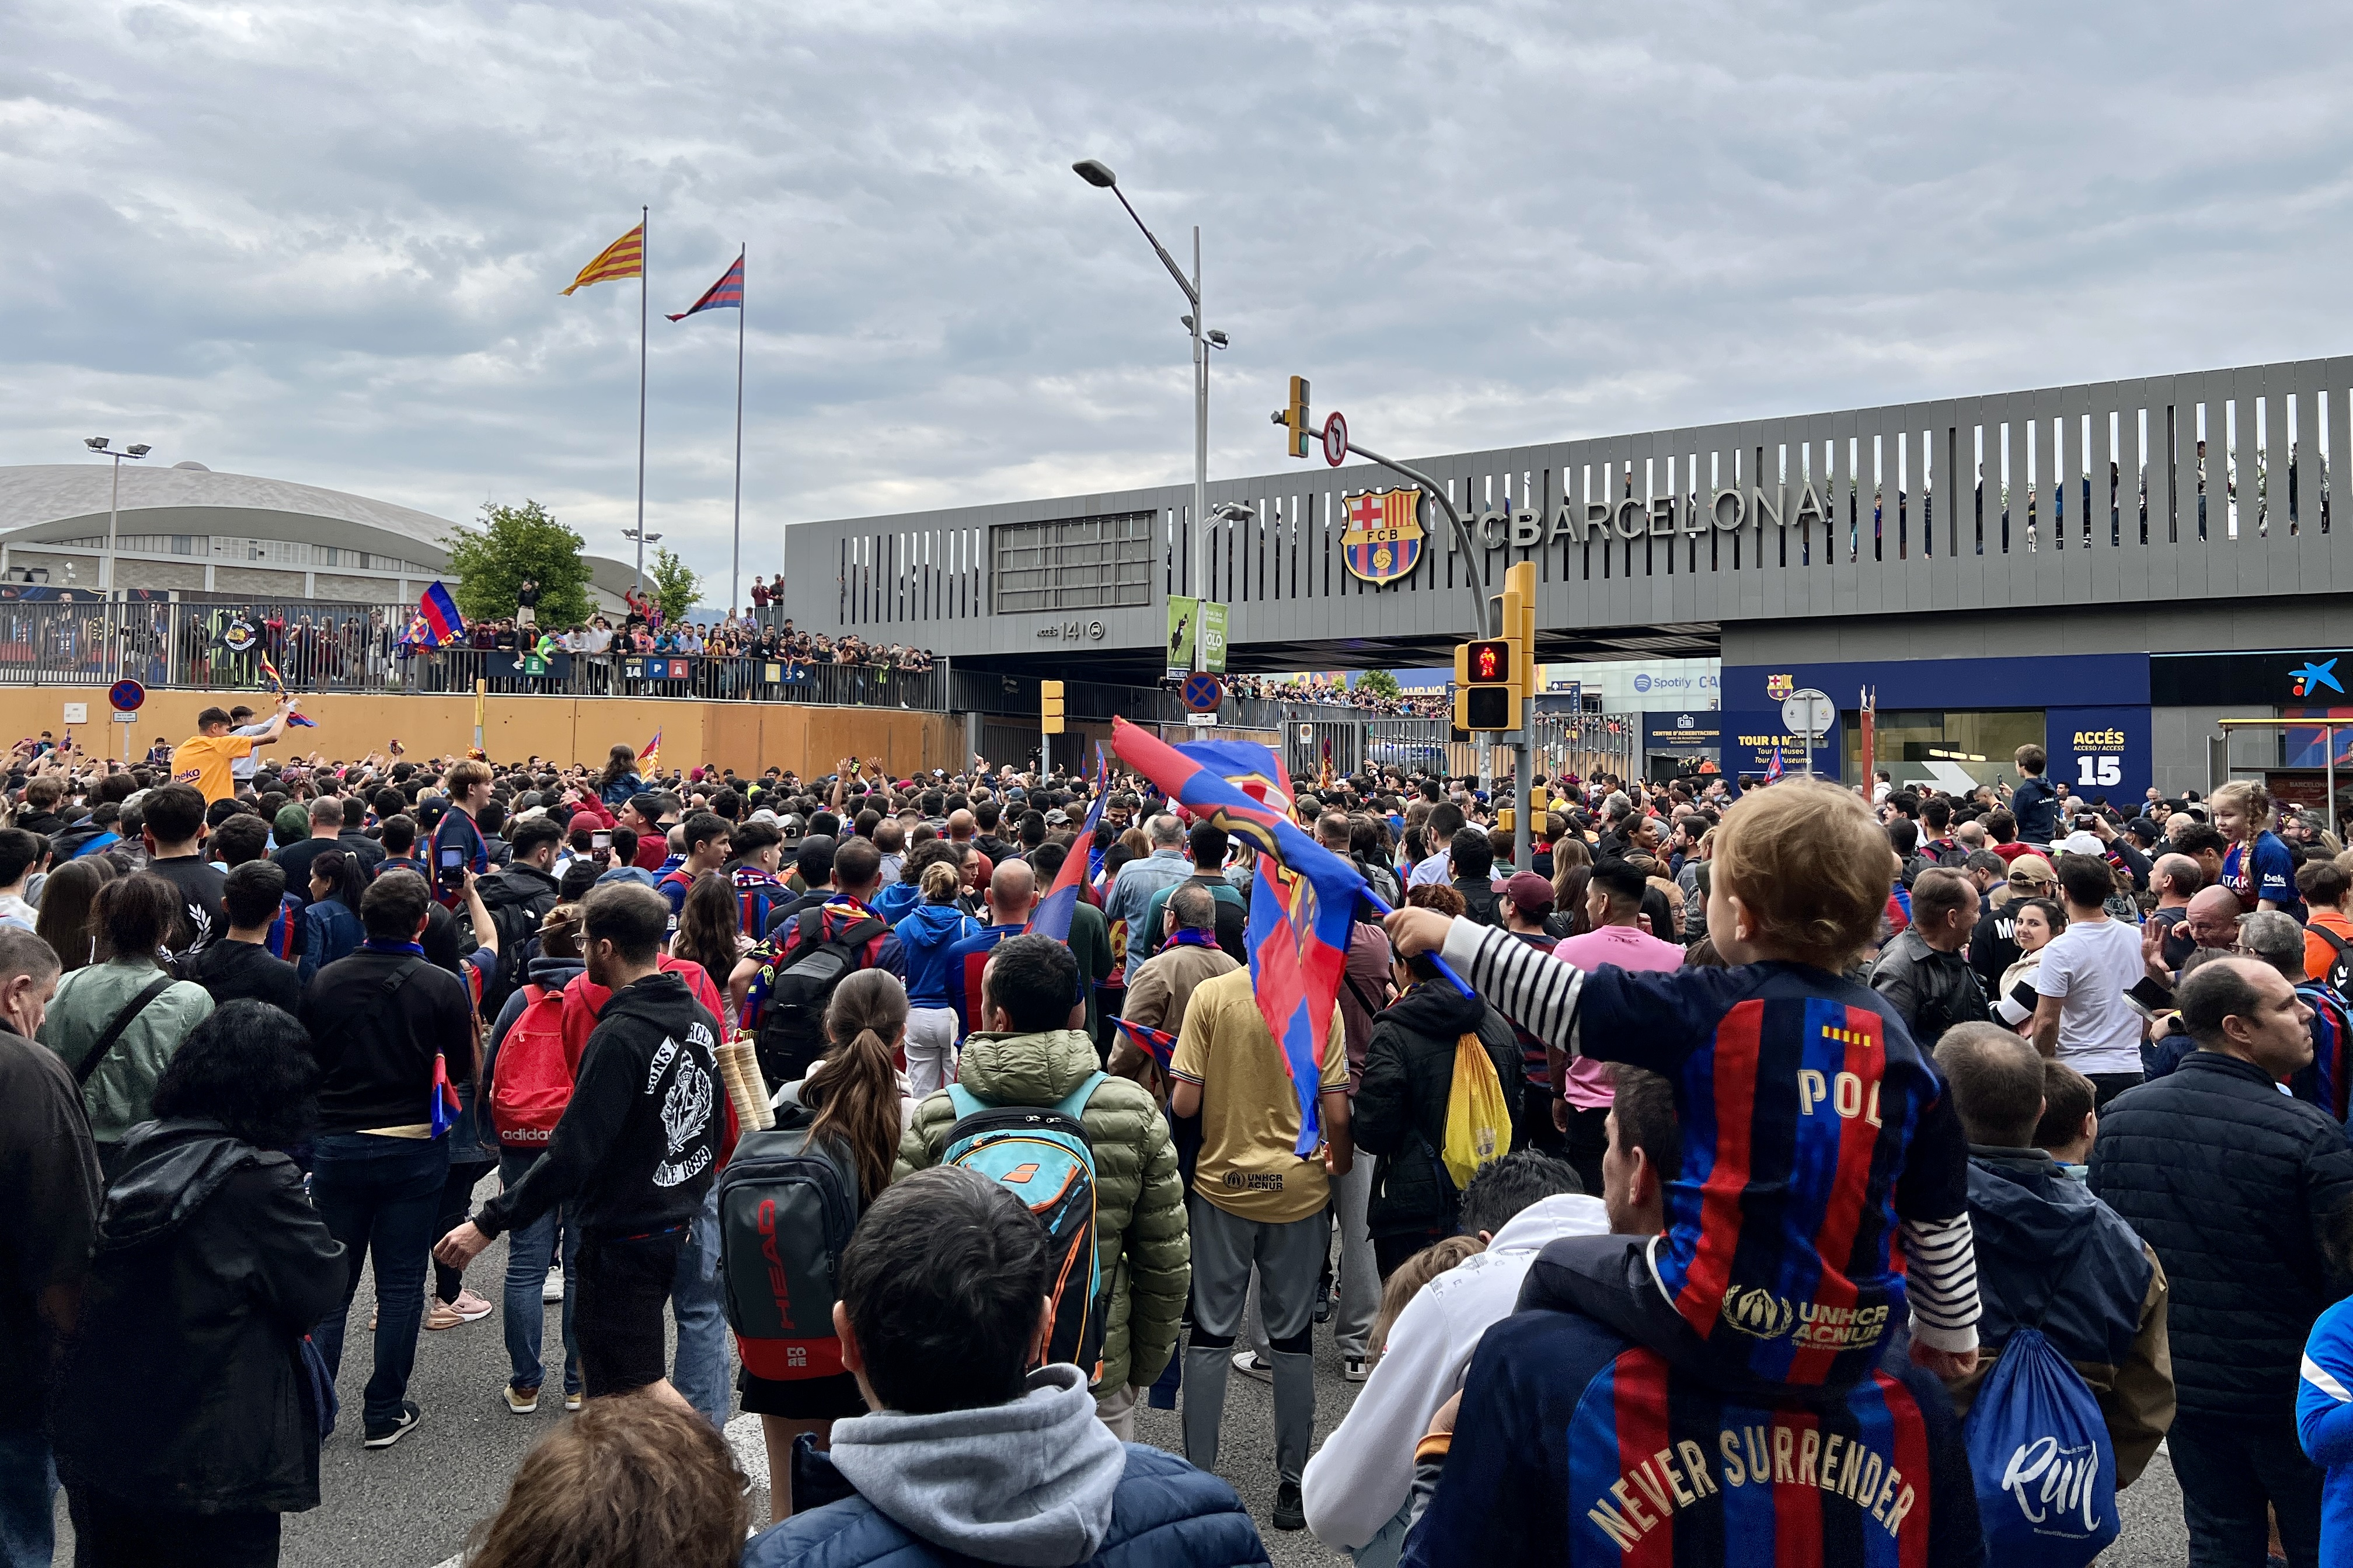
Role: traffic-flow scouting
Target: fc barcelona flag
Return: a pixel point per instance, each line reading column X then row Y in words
column 1158, row 1044
column 727, row 294
column 1053, row 913
column 438, row 611
column 1302, row 909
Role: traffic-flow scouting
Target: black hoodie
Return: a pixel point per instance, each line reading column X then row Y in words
column 638, row 1144
column 1400, row 1111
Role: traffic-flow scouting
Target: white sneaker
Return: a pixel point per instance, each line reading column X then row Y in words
column 1249, row 1365
column 1356, row 1368
column 554, row 1290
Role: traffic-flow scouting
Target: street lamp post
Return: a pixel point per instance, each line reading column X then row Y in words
column 1098, row 174
column 643, row 539
column 98, row 444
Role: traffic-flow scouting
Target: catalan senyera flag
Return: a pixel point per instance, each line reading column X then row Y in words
column 1301, row 908
column 624, row 258
column 727, row 294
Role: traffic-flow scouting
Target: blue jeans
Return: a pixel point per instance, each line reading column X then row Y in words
column 379, row 1197
column 28, row 1492
column 699, row 1370
column 528, row 1251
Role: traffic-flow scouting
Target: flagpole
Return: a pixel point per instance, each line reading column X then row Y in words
column 645, row 285
column 735, row 565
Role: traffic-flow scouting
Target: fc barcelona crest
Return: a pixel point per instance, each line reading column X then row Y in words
column 1383, row 541
column 1780, row 687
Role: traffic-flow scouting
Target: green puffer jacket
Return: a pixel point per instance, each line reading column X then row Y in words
column 1140, row 1234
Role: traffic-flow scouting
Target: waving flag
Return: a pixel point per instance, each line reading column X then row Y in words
column 1301, row 910
column 1773, row 774
column 651, row 754
column 270, row 675
column 438, row 611
column 1158, row 1044
column 624, row 258
column 1053, row 915
column 727, row 294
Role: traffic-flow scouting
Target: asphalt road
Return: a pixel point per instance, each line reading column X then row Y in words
column 410, row 1506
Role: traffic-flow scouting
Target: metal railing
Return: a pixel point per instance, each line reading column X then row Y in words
column 354, row 647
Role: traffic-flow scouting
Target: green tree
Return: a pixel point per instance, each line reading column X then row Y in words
column 1380, row 683
column 492, row 557
column 676, row 584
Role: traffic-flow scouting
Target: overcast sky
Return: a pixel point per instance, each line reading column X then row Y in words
column 326, row 242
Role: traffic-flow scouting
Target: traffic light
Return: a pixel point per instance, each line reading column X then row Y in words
column 1050, row 698
column 1520, row 619
column 1299, row 441
column 1487, row 695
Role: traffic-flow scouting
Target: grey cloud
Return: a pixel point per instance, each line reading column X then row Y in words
column 326, row 243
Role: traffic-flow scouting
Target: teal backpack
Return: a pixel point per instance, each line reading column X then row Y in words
column 1040, row 1155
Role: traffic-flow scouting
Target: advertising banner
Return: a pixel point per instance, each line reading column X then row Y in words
column 1184, row 624
column 1213, row 636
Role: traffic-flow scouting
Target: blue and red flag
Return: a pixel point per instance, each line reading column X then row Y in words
column 1773, row 774
column 439, row 613
column 1158, row 1044
column 727, row 294
column 442, row 1113
column 1302, row 909
column 1052, row 916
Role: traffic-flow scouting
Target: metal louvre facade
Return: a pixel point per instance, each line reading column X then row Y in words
column 2212, row 484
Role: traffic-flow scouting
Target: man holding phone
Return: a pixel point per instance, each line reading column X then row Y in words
column 458, row 846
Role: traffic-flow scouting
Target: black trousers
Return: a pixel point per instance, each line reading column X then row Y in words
column 108, row 1533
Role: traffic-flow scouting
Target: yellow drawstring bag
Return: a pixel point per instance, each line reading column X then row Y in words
column 1478, row 1123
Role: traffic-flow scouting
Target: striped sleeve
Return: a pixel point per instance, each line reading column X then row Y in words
column 1942, row 1275
column 1526, row 985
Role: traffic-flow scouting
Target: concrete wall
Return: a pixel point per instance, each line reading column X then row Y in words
column 746, row 736
column 2182, row 625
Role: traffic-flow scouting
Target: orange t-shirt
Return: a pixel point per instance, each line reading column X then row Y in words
column 2318, row 956
column 204, row 761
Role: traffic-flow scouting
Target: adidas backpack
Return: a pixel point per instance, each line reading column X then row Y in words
column 786, row 1208
column 792, row 1027
column 1041, row 1154
column 531, row 1082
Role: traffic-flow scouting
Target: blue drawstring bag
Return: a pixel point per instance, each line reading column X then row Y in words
column 2045, row 1471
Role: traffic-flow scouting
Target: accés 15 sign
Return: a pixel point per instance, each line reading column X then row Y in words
column 2098, row 759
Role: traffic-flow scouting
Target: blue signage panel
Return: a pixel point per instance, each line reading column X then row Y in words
column 2100, row 753
column 1749, row 736
column 1692, row 733
column 2115, row 679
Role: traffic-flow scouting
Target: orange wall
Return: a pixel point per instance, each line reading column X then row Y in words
column 745, row 736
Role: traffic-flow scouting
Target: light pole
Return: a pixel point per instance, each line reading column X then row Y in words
column 643, row 539
column 114, row 503
column 1096, row 174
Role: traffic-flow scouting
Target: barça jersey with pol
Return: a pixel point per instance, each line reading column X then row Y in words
column 1814, row 1134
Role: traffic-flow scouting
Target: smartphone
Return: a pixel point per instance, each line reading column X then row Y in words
column 600, row 839
column 449, row 866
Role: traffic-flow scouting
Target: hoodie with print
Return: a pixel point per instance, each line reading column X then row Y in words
column 638, row 1144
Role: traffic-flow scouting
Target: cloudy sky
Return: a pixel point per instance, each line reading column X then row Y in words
column 325, row 242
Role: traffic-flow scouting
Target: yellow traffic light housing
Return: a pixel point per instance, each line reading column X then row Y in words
column 1488, row 694
column 1050, row 701
column 1300, row 440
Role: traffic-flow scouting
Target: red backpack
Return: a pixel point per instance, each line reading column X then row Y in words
column 532, row 1082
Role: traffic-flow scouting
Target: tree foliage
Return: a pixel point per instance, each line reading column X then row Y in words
column 676, row 585
column 492, row 557
column 1380, row 683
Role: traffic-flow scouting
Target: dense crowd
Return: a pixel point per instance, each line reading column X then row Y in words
column 1759, row 1174
column 1318, row 689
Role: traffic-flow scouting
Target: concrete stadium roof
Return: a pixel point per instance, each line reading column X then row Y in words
column 48, row 502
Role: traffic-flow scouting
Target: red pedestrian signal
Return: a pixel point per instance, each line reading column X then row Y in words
column 1491, row 662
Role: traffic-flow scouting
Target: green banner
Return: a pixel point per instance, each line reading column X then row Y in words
column 1213, row 636
column 1183, row 622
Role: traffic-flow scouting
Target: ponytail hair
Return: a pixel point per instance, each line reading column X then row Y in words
column 857, row 1096
column 941, row 882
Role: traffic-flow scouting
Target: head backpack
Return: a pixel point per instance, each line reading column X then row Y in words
column 1041, row 1154
column 531, row 1083
column 786, row 1206
column 2045, row 1471
column 2340, row 960
column 792, row 1024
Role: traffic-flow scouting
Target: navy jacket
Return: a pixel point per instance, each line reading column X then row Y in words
column 2231, row 1183
column 1166, row 1514
column 1573, row 1447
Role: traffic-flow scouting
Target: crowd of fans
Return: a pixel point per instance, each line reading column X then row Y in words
column 1718, row 1159
column 1319, row 688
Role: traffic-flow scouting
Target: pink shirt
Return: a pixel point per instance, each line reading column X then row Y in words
column 1590, row 1085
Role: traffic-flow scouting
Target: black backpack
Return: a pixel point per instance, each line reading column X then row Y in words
column 516, row 908
column 786, row 1206
column 792, row 1029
